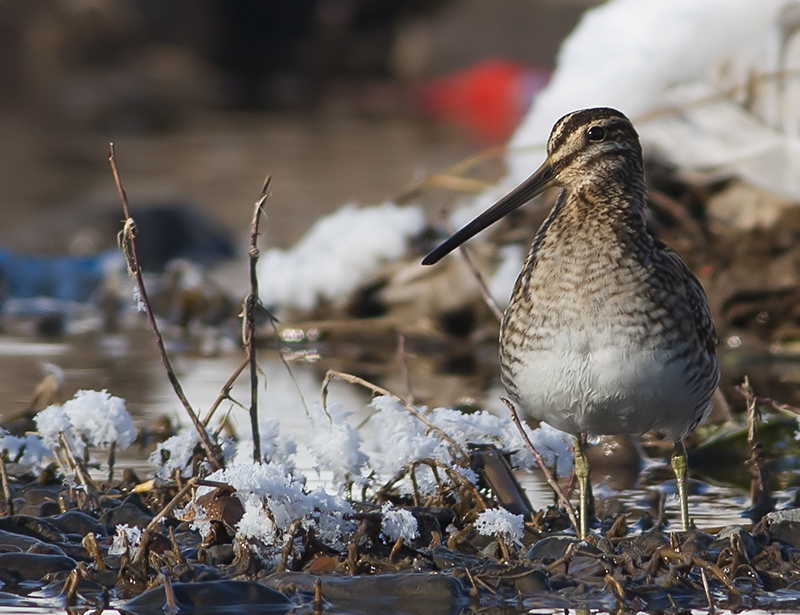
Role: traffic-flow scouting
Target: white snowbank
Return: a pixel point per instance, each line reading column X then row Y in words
column 645, row 58
column 337, row 254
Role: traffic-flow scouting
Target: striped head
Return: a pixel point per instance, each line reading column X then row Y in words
column 594, row 146
column 596, row 151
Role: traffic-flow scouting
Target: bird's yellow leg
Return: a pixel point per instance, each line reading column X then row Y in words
column 582, row 474
column 681, row 467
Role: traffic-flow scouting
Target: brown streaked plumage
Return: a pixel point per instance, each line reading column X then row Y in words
column 607, row 330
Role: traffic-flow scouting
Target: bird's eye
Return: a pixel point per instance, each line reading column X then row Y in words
column 596, row 133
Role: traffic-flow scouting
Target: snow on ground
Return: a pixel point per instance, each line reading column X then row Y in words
column 337, row 254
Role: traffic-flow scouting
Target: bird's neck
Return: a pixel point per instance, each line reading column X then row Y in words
column 599, row 209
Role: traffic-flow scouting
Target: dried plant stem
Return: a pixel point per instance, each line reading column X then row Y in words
column 707, row 590
column 318, row 602
column 563, row 560
column 333, row 374
column 785, row 409
column 402, row 359
column 6, row 485
column 128, row 243
column 473, row 269
column 759, row 483
column 453, row 178
column 251, row 304
column 83, row 478
column 112, row 457
column 752, row 80
column 548, row 475
column 70, row 590
column 171, row 606
column 148, row 531
column 225, row 392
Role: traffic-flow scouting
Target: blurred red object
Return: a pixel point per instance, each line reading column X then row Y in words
column 489, row 98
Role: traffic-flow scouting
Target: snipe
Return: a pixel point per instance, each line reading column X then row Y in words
column 607, row 331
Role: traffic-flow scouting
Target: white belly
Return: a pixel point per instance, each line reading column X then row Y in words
column 589, row 387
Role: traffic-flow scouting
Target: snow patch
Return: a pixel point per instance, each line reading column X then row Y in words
column 337, row 254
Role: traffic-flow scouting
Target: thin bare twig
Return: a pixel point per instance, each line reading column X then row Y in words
column 402, row 359
column 332, row 374
column 273, row 322
column 225, row 391
column 6, row 485
column 251, row 305
column 112, row 457
column 548, row 475
column 128, row 242
column 83, row 477
column 785, row 409
column 484, row 289
column 148, row 531
column 759, row 483
column 707, row 590
column 452, row 177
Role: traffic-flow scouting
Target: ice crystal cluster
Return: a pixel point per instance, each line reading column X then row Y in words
column 398, row 523
column 404, row 439
column 28, row 451
column 177, row 453
column 126, row 540
column 336, row 445
column 95, row 418
column 501, row 523
column 273, row 499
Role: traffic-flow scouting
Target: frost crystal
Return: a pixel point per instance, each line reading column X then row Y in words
column 28, row 451
column 177, row 452
column 53, row 421
column 91, row 416
column 398, row 523
column 273, row 499
column 405, row 439
column 131, row 536
column 101, row 419
column 336, row 445
column 499, row 522
column 275, row 447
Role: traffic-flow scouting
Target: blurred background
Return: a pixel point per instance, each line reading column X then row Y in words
column 338, row 100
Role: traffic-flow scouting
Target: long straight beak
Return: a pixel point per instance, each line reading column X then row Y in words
column 534, row 185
